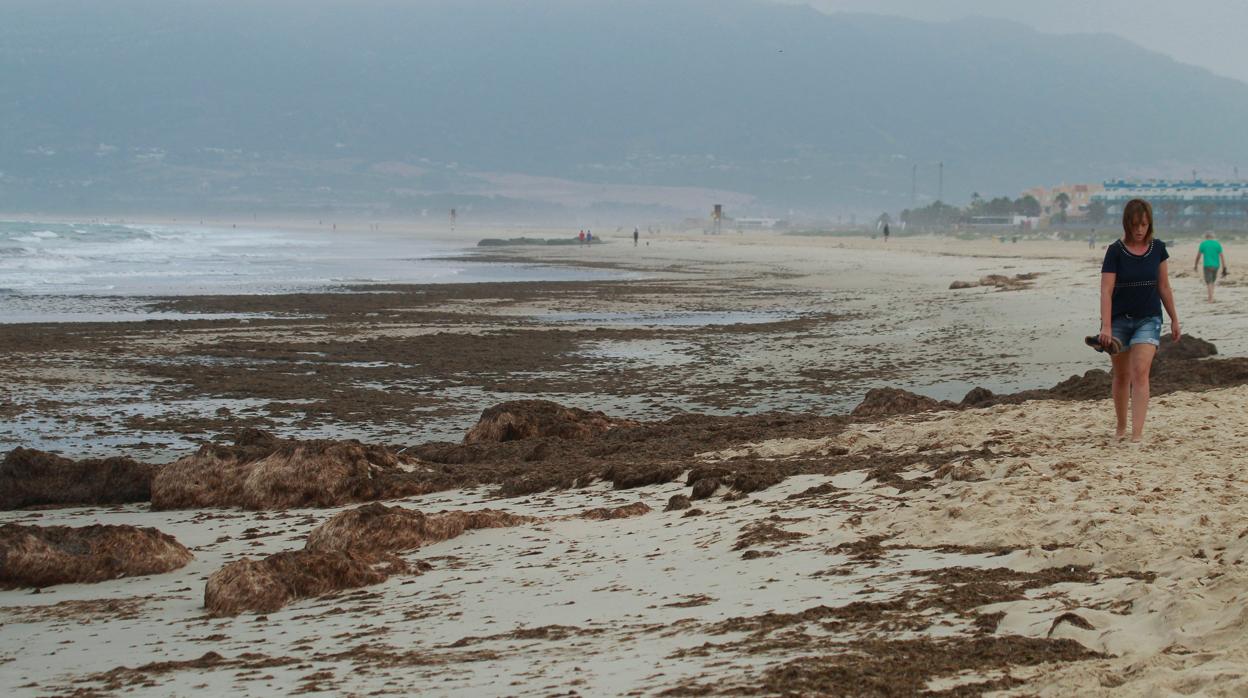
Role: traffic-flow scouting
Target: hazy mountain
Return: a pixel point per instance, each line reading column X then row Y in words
column 185, row 104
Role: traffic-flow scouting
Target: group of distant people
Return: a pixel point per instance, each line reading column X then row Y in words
column 587, row 237
column 1135, row 287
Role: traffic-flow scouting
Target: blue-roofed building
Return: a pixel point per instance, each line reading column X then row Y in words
column 1196, row 203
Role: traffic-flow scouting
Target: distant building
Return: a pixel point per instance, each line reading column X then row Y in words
column 1010, row 222
column 1079, row 197
column 758, row 223
column 1181, row 203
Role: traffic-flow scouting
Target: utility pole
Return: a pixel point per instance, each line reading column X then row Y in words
column 914, row 185
column 940, row 188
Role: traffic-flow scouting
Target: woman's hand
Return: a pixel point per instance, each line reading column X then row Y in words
column 1174, row 330
column 1106, row 337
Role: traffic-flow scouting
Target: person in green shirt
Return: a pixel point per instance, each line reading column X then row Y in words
column 1214, row 257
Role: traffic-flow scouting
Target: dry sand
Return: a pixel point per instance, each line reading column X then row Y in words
column 1169, row 512
column 592, row 607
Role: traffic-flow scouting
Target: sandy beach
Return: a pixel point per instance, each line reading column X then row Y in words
column 970, row 529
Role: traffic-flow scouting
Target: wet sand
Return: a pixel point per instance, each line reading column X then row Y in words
column 727, row 325
column 1003, row 548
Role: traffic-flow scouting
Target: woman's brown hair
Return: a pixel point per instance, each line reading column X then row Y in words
column 1134, row 211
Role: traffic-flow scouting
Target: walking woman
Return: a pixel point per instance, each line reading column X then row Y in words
column 1135, row 284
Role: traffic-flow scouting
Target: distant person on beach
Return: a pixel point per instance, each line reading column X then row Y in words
column 581, row 237
column 1214, row 257
column 1135, row 284
column 636, row 235
column 1092, row 239
column 885, row 232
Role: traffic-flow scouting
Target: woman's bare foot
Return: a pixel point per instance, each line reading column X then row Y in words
column 1120, row 434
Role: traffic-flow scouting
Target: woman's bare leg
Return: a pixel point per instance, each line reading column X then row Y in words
column 1141, row 357
column 1121, row 390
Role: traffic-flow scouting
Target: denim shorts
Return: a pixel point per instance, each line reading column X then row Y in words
column 1137, row 330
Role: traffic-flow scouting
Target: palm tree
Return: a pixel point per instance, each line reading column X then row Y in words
column 977, row 203
column 1063, row 202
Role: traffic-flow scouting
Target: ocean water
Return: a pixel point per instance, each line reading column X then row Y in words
column 99, row 271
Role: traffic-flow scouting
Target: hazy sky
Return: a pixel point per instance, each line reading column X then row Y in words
column 1209, row 33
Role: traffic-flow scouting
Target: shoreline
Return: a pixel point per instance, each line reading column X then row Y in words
column 102, row 265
